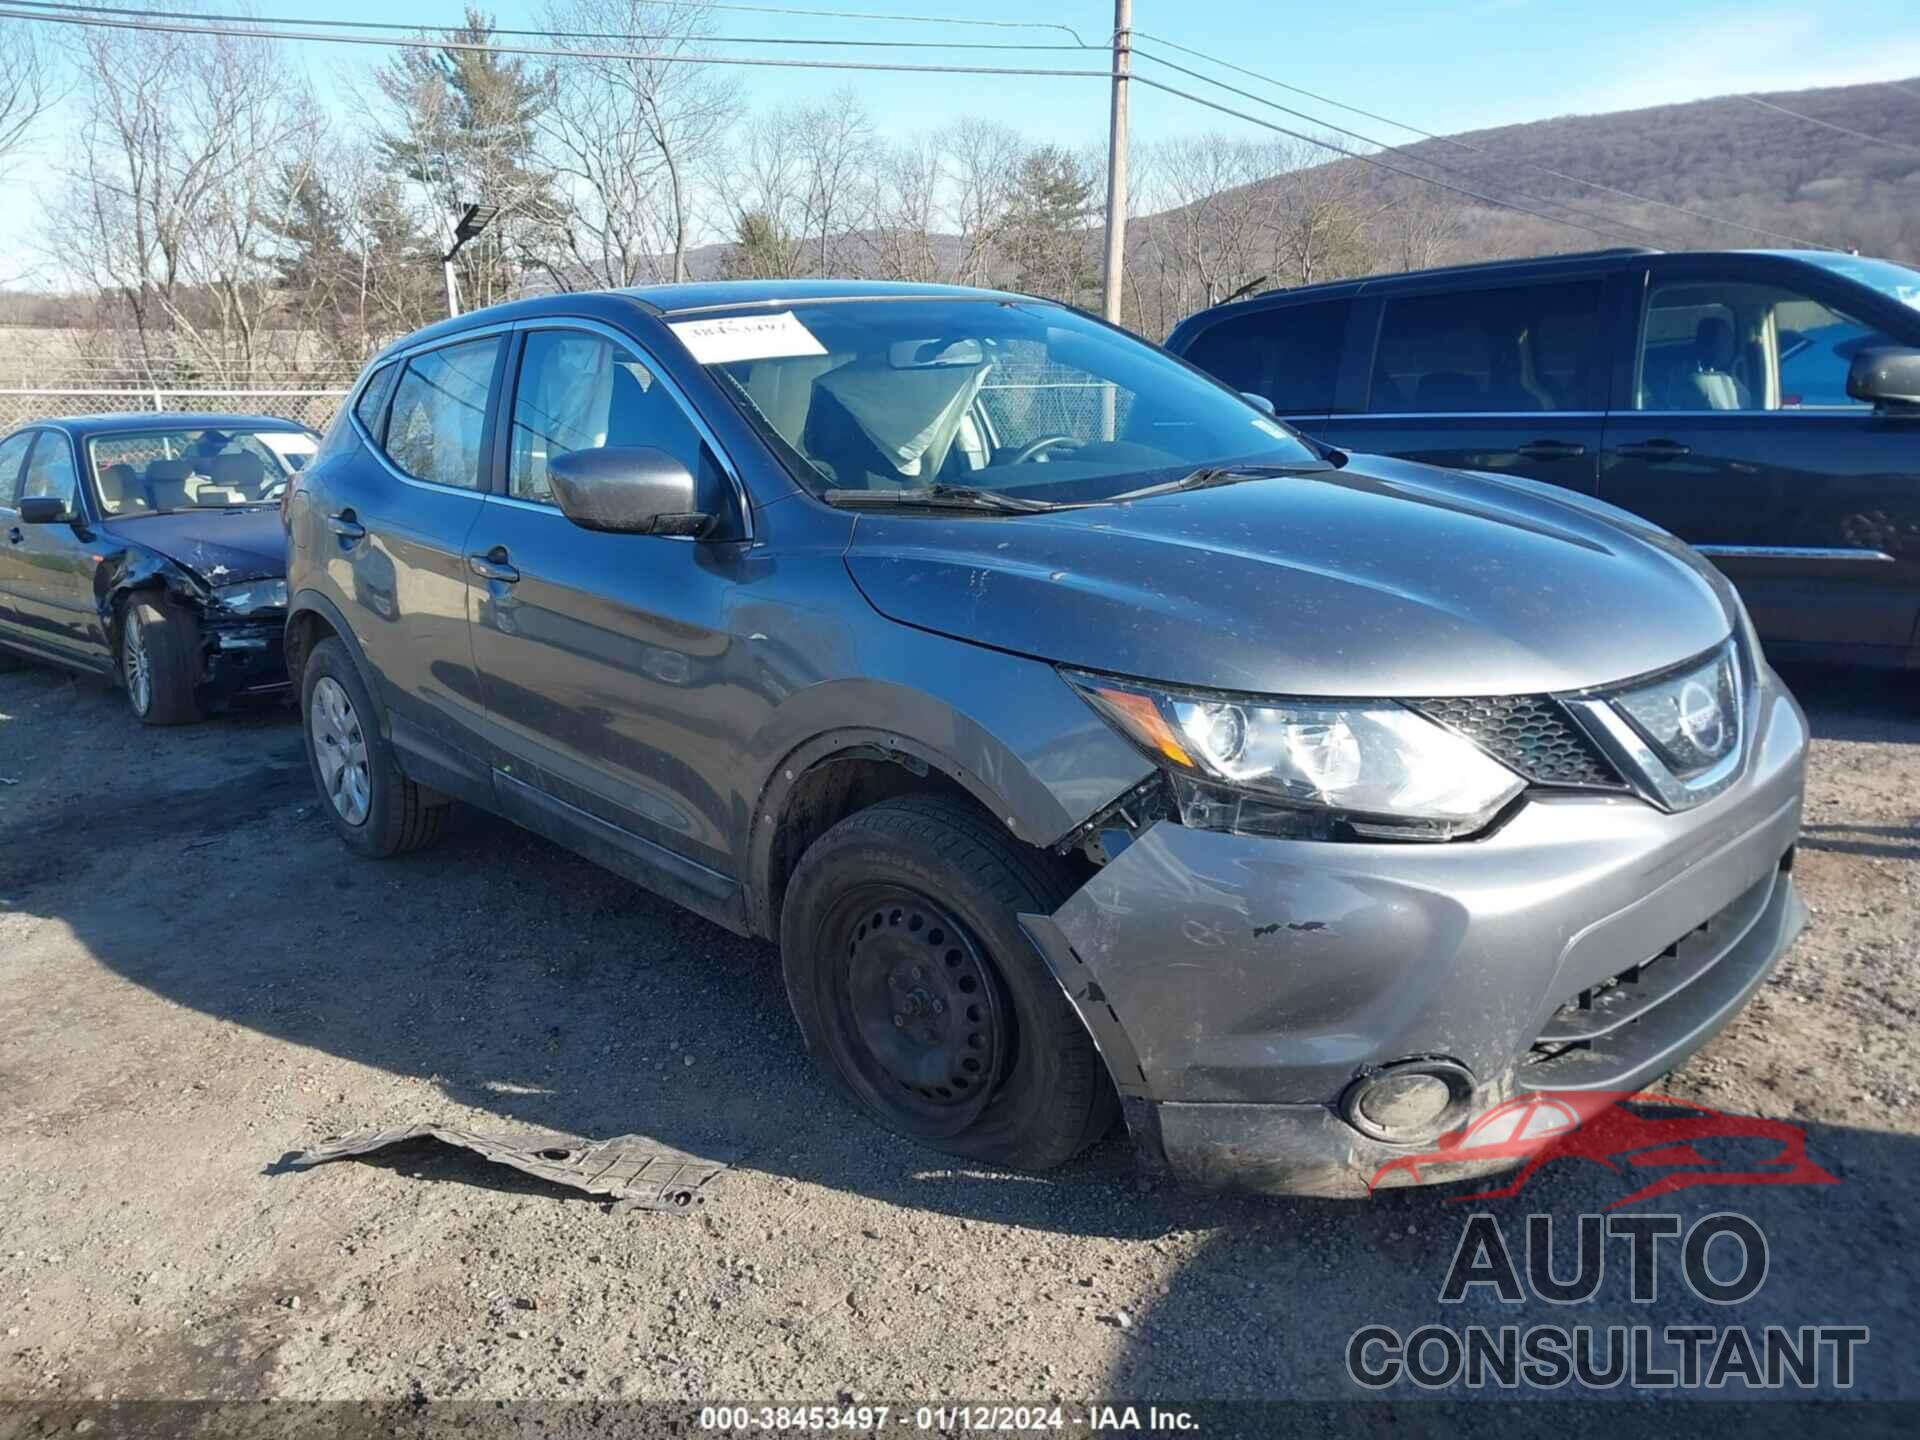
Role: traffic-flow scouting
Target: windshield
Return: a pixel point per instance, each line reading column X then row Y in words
column 1896, row 282
column 155, row 472
column 1023, row 398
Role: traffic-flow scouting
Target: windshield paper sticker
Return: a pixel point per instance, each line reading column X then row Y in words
column 746, row 337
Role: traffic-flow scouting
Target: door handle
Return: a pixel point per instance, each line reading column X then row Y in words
column 493, row 566
column 346, row 526
column 16, row 537
column 1553, row 449
column 1655, row 450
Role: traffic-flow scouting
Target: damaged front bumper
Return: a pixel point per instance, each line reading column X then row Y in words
column 1239, row 988
column 242, row 658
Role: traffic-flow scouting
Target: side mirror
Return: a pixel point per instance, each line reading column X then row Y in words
column 633, row 490
column 1259, row 402
column 1887, row 379
column 43, row 510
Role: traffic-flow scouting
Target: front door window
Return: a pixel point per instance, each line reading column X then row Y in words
column 1712, row 345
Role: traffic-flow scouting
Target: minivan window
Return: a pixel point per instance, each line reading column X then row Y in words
column 580, row 392
column 1522, row 349
column 439, row 411
column 13, row 450
column 1735, row 345
column 1023, row 397
column 1288, row 353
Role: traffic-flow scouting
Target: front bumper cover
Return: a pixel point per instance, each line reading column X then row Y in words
column 1236, row 986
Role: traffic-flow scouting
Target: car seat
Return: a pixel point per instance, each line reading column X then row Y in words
column 121, row 490
column 1709, row 383
column 238, row 471
column 167, row 484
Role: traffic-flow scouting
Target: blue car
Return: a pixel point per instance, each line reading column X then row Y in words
column 147, row 548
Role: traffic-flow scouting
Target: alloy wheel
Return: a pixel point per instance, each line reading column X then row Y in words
column 138, row 665
column 340, row 751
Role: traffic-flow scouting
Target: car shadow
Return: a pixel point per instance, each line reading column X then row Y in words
column 511, row 985
column 1856, row 702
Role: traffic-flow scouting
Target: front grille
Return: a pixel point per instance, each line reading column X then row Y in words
column 1606, row 1024
column 1529, row 734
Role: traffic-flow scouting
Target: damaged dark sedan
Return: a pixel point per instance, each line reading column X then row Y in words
column 147, row 548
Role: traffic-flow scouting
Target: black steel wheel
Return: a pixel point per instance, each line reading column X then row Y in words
column 917, row 1006
column 922, row 998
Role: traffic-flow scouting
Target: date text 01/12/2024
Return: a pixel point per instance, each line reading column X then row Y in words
column 860, row 1418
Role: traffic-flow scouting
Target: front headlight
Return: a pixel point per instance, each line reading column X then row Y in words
column 1372, row 769
column 251, row 596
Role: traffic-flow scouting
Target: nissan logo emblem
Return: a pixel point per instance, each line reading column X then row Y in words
column 1701, row 719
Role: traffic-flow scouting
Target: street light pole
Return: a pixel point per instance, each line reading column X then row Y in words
column 1117, row 158
column 476, row 219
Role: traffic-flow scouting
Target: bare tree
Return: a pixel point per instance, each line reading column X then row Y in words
column 1319, row 213
column 761, row 186
column 904, row 210
column 1414, row 230
column 26, row 85
column 982, row 157
column 171, row 187
column 834, row 146
column 629, row 137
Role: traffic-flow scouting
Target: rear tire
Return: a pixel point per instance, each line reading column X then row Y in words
column 158, row 650
column 375, row 809
column 921, row 998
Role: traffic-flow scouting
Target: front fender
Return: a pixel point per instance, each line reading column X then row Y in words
column 1007, row 729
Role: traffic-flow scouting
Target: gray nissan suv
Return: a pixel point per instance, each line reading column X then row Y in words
column 1090, row 743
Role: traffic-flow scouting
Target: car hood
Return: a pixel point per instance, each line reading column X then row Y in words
column 1379, row 579
column 222, row 547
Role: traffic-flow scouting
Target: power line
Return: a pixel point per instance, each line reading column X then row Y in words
column 1403, row 153
column 201, row 17
column 1828, row 124
column 1482, row 150
column 256, row 32
column 1372, row 159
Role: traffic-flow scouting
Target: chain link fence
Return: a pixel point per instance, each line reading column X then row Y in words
column 1023, row 411
column 309, row 407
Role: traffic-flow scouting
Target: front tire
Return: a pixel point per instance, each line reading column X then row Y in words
column 157, row 664
column 374, row 807
column 922, row 999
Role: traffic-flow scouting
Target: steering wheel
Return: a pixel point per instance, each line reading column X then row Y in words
column 1034, row 449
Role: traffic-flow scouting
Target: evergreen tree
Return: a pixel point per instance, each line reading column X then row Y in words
column 1046, row 236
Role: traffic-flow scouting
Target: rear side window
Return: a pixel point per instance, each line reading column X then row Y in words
column 1289, row 353
column 1527, row 348
column 12, row 451
column 439, row 411
column 371, row 407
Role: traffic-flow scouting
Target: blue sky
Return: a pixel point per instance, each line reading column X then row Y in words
column 1442, row 67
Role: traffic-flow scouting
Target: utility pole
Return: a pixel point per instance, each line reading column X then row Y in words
column 1117, row 157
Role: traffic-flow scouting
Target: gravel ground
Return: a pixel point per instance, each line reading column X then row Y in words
column 199, row 979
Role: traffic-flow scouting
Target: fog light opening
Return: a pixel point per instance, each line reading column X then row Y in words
column 1408, row 1102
